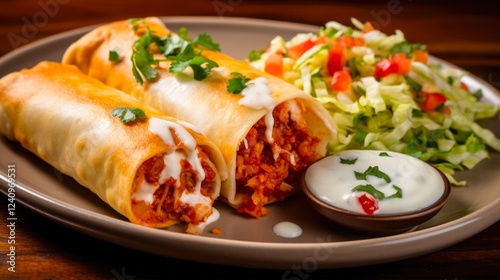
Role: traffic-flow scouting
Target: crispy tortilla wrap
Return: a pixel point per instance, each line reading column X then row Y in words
column 154, row 171
column 266, row 146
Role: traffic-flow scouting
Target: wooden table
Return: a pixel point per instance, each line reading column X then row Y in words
column 465, row 33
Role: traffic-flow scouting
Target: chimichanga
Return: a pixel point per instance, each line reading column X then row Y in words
column 155, row 171
column 268, row 134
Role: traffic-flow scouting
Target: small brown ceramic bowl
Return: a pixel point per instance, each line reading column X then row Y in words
column 378, row 224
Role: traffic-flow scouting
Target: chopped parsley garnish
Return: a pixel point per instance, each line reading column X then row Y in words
column 348, row 160
column 372, row 171
column 114, row 55
column 384, row 154
column 237, row 83
column 128, row 115
column 178, row 48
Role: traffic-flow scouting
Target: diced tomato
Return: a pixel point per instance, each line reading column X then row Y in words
column 347, row 40
column 296, row 51
column 336, row 59
column 350, row 41
column 358, row 41
column 367, row 27
column 434, row 102
column 324, row 40
column 398, row 64
column 274, row 64
column 368, row 203
column 385, row 67
column 404, row 64
column 464, row 87
column 341, row 81
column 421, row 56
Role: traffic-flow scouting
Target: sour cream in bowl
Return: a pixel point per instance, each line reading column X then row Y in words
column 381, row 192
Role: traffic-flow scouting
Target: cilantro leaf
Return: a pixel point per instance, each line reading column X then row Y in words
column 114, row 55
column 477, row 94
column 255, row 54
column 178, row 66
column 348, row 160
column 134, row 23
column 384, row 154
column 237, row 83
column 142, row 58
column 203, row 39
column 376, row 193
column 397, row 194
column 372, row 171
column 407, row 48
column 206, row 41
column 128, row 115
column 200, row 65
column 369, row 189
column 177, row 48
column 183, row 33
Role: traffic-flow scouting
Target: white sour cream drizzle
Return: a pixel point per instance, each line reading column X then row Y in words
column 333, row 181
column 287, row 230
column 257, row 95
column 172, row 159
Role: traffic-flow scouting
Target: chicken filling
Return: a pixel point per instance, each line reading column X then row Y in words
column 268, row 171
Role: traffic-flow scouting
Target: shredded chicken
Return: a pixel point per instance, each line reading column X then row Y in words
column 164, row 206
column 267, row 172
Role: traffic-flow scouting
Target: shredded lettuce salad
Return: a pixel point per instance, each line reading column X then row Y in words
column 384, row 93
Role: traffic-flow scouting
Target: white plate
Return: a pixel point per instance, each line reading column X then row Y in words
column 245, row 242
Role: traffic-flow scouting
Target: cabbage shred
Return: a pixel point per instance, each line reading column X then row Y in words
column 386, row 113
